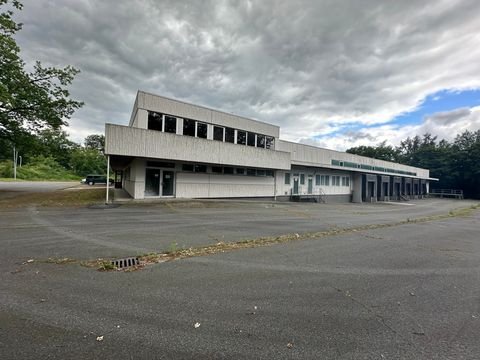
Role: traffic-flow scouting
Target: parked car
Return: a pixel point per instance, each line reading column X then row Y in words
column 95, row 179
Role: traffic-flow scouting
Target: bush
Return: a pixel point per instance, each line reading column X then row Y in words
column 39, row 168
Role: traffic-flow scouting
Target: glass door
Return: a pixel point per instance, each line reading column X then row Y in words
column 295, row 186
column 152, row 182
column 310, row 186
column 168, row 181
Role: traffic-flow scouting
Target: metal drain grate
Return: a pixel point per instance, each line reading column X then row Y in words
column 127, row 262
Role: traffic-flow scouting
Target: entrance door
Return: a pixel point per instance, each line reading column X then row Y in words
column 310, row 186
column 152, row 182
column 295, row 186
column 168, row 178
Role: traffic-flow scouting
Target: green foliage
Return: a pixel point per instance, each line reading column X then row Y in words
column 85, row 161
column 95, row 142
column 456, row 164
column 39, row 168
column 30, row 102
column 382, row 151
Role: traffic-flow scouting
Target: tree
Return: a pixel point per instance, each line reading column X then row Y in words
column 30, row 102
column 95, row 142
column 382, row 151
column 87, row 161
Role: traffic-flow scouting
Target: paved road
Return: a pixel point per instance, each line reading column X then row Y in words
column 403, row 292
column 11, row 189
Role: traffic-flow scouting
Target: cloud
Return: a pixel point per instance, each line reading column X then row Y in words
column 309, row 66
column 443, row 125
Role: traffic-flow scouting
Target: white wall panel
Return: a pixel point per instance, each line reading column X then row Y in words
column 196, row 185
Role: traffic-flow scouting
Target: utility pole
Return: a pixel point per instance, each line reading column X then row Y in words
column 15, row 158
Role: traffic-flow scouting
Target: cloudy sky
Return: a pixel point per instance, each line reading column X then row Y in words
column 329, row 72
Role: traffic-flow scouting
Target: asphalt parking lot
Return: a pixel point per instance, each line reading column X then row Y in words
column 405, row 291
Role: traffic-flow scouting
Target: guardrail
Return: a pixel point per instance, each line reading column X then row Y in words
column 455, row 193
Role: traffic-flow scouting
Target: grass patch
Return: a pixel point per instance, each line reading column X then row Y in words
column 40, row 168
column 56, row 198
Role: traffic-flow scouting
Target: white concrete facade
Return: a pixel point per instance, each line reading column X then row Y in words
column 175, row 149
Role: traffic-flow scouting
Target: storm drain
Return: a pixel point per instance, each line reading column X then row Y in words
column 126, row 262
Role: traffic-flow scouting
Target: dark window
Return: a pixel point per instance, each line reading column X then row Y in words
column 261, row 141
column 251, row 139
column 260, row 172
column 160, row 164
column 229, row 135
column 218, row 133
column 200, row 168
column 327, row 180
column 317, row 180
column 302, row 179
column 287, row 178
column 269, row 173
column 270, row 142
column 228, row 170
column 187, row 167
column 251, row 172
column 241, row 137
column 154, row 121
column 170, row 124
column 240, row 171
column 188, row 127
column 217, row 169
column 201, row 130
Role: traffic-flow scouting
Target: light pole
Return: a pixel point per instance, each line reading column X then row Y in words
column 15, row 159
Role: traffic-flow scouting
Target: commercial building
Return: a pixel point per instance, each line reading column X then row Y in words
column 174, row 149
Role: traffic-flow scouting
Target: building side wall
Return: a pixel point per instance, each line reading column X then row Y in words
column 309, row 155
column 195, row 185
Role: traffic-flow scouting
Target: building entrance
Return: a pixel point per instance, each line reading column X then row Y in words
column 159, row 182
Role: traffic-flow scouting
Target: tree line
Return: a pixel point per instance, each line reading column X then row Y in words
column 455, row 163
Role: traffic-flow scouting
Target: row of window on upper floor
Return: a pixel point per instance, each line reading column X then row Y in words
column 194, row 128
column 371, row 167
column 321, row 180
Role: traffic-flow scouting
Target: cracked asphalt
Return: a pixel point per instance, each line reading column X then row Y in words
column 403, row 292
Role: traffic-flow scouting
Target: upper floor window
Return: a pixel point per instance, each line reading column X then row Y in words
column 260, row 141
column 241, row 137
column 170, row 124
column 270, row 142
column 218, row 133
column 194, row 128
column 155, row 121
column 251, row 139
column 202, row 130
column 229, row 135
column 188, row 127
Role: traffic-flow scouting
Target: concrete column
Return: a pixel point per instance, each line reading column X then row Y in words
column 141, row 119
column 357, row 188
column 179, row 126
column 209, row 131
